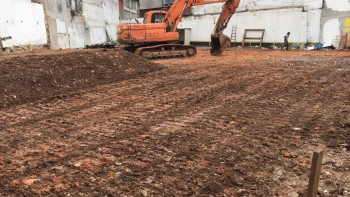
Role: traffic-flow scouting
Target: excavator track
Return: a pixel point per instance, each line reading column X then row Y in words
column 167, row 51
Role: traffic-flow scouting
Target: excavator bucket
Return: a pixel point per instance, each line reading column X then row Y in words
column 219, row 43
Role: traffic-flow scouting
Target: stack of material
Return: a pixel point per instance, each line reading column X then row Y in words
column 342, row 41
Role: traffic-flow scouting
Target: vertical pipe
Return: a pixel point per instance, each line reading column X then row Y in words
column 130, row 10
column 121, row 9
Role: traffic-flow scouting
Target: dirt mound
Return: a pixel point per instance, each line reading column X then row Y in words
column 30, row 78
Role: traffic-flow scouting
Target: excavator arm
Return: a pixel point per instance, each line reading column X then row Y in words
column 218, row 39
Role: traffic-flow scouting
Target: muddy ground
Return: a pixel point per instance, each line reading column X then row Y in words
column 28, row 78
column 244, row 124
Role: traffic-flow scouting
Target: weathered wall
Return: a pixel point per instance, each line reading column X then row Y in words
column 273, row 21
column 131, row 8
column 256, row 5
column 101, row 19
column 335, row 19
column 66, row 30
column 23, row 21
column 76, row 24
column 151, row 4
column 300, row 17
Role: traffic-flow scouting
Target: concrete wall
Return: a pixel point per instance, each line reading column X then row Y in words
column 300, row 17
column 335, row 19
column 23, row 21
column 151, row 4
column 76, row 24
column 273, row 21
column 101, row 19
column 308, row 21
column 131, row 8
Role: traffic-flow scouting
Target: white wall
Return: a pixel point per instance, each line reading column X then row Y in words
column 300, row 17
column 95, row 23
column 101, row 19
column 254, row 5
column 23, row 21
column 313, row 25
column 275, row 22
column 338, row 5
column 330, row 31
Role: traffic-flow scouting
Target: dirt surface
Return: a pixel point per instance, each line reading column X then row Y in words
column 244, row 124
column 29, row 78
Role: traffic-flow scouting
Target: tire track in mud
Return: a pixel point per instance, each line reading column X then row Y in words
column 299, row 111
column 76, row 111
column 203, row 130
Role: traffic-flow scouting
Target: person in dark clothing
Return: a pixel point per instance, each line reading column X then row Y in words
column 286, row 43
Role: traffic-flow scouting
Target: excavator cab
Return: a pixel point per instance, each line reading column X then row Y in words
column 151, row 32
column 154, row 17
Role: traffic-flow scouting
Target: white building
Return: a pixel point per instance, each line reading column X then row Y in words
column 24, row 21
column 61, row 23
column 78, row 23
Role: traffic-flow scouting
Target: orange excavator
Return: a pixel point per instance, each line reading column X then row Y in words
column 157, row 36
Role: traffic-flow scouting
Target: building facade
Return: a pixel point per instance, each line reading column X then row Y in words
column 79, row 23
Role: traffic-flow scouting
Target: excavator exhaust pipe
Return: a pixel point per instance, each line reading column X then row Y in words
column 219, row 43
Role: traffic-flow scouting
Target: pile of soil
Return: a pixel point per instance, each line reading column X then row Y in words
column 31, row 78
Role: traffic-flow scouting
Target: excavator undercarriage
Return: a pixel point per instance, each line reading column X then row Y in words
column 166, row 51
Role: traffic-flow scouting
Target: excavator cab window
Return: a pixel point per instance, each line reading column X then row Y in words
column 157, row 17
